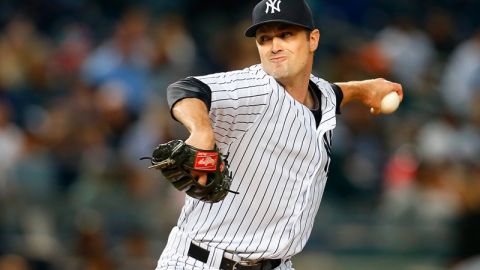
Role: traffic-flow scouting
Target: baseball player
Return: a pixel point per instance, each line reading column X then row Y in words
column 273, row 122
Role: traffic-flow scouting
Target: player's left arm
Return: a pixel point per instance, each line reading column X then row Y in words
column 369, row 92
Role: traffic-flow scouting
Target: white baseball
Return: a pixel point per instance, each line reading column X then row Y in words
column 390, row 103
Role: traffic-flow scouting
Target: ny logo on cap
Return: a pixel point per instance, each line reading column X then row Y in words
column 273, row 6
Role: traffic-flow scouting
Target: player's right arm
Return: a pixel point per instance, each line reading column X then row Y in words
column 189, row 103
column 193, row 114
column 189, row 100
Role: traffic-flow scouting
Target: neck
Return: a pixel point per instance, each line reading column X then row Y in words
column 298, row 89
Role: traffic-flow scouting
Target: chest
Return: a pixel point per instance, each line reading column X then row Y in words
column 288, row 132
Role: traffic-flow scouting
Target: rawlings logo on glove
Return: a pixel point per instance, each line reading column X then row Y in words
column 206, row 161
column 176, row 160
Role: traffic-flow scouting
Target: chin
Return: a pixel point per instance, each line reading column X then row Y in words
column 280, row 76
column 277, row 73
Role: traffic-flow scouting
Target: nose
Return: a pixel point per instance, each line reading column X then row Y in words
column 276, row 45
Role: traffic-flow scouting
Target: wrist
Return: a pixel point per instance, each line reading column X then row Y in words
column 206, row 134
column 202, row 138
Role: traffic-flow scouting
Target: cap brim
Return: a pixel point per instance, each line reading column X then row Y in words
column 252, row 30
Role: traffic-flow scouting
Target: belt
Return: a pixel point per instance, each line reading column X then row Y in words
column 201, row 254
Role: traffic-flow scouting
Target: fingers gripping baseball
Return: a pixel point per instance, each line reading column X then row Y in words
column 384, row 96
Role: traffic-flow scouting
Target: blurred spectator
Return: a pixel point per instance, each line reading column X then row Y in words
column 441, row 29
column 467, row 239
column 11, row 143
column 124, row 57
column 24, row 53
column 245, row 49
column 13, row 262
column 448, row 139
column 23, row 68
column 74, row 46
column 437, row 140
column 176, row 45
column 92, row 249
column 134, row 252
column 432, row 198
column 461, row 72
column 175, row 55
column 408, row 51
column 153, row 127
column 359, row 157
column 470, row 264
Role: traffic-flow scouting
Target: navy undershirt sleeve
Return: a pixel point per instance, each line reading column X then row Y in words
column 188, row 88
column 338, row 95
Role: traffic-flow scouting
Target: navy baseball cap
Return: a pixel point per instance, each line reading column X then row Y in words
column 295, row 12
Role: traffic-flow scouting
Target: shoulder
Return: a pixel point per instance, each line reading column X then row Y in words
column 252, row 76
column 331, row 92
column 318, row 81
column 322, row 84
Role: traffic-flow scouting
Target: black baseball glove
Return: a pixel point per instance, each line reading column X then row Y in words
column 176, row 160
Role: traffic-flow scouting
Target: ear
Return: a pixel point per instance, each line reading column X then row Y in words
column 314, row 39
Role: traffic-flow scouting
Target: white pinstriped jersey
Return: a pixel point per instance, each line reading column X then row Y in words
column 279, row 160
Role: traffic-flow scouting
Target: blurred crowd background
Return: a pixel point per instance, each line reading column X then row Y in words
column 82, row 98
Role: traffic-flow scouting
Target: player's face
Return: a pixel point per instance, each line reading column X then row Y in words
column 286, row 51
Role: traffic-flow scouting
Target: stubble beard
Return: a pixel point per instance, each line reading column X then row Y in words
column 278, row 72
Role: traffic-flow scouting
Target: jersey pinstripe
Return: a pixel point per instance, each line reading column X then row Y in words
column 279, row 160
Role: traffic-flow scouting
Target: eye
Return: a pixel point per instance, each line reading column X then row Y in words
column 286, row 34
column 262, row 39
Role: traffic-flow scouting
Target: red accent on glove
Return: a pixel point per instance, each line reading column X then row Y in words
column 206, row 161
